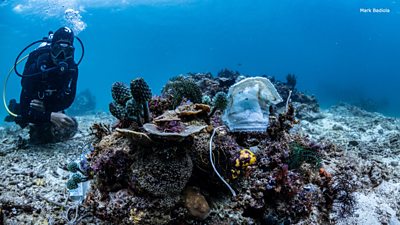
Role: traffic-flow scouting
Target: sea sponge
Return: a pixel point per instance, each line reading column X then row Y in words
column 120, row 93
column 242, row 160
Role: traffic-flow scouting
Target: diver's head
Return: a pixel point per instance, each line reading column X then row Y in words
column 62, row 48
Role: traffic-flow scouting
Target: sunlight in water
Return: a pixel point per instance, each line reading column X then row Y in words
column 71, row 11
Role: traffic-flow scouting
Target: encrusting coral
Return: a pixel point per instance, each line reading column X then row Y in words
column 160, row 172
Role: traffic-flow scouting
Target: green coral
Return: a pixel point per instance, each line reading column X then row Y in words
column 71, row 184
column 206, row 100
column 181, row 88
column 301, row 154
column 77, row 178
column 73, row 167
column 220, row 102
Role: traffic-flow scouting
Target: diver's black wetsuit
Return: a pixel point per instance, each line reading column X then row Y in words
column 55, row 88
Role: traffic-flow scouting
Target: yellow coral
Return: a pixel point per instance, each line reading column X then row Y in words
column 235, row 173
column 244, row 159
column 136, row 215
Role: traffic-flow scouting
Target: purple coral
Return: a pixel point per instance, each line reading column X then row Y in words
column 111, row 168
column 171, row 127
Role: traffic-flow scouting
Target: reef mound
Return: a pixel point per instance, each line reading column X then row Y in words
column 309, row 167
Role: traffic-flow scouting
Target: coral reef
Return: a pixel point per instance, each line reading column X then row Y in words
column 365, row 156
column 174, row 167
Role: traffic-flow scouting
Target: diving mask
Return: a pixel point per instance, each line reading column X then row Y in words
column 62, row 51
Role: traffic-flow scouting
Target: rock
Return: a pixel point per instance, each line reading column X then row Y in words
column 196, row 203
column 376, row 175
column 353, row 143
column 394, row 163
column 337, row 127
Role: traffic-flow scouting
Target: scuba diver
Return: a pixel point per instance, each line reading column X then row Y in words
column 48, row 84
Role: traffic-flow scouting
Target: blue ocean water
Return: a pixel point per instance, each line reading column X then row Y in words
column 338, row 50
